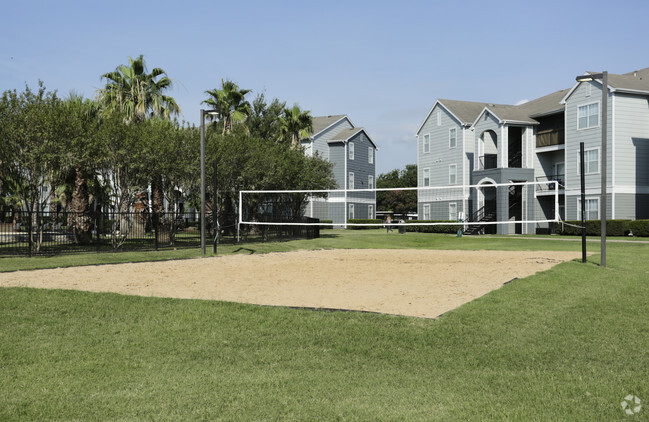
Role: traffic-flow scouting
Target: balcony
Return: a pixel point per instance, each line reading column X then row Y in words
column 488, row 161
column 550, row 183
column 551, row 137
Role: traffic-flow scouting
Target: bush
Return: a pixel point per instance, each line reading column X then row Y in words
column 452, row 228
column 364, row 221
column 326, row 222
column 639, row 228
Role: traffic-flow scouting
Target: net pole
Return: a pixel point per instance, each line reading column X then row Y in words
column 240, row 217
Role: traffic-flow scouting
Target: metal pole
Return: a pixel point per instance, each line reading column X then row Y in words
column 203, row 181
column 583, row 202
column 215, row 220
column 604, row 165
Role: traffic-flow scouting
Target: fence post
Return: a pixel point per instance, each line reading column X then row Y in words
column 156, row 228
column 29, row 232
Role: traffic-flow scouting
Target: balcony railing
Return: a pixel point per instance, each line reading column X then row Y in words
column 488, row 161
column 548, row 138
column 550, row 182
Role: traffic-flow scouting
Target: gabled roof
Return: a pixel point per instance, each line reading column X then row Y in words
column 636, row 82
column 346, row 134
column 320, row 123
column 467, row 113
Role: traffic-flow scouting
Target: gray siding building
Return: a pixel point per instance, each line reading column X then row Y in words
column 471, row 143
column 353, row 154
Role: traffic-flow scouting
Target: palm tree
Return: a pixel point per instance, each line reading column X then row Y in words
column 230, row 103
column 138, row 94
column 295, row 123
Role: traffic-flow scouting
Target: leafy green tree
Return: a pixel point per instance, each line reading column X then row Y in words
column 295, row 124
column 263, row 120
column 137, row 94
column 81, row 152
column 230, row 103
column 399, row 202
column 30, row 154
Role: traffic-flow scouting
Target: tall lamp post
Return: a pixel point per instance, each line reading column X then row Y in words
column 203, row 113
column 602, row 202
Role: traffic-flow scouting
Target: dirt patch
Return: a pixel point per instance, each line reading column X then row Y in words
column 422, row 283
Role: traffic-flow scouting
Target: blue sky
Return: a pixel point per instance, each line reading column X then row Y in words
column 381, row 63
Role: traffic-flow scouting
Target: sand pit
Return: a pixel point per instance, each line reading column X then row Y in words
column 421, row 283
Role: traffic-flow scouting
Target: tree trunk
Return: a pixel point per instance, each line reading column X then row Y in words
column 80, row 216
column 160, row 221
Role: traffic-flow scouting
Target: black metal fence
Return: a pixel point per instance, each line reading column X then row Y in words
column 67, row 232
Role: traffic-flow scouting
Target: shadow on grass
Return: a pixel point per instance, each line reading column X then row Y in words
column 251, row 251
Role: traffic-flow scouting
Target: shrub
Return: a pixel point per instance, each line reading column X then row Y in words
column 613, row 228
column 364, row 221
column 326, row 222
column 639, row 227
column 453, row 228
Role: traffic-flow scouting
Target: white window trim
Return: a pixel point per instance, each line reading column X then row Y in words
column 599, row 161
column 370, row 155
column 588, row 198
column 589, row 89
column 370, row 211
column 449, row 174
column 449, row 137
column 370, row 181
column 351, row 151
column 599, row 115
column 426, row 215
column 423, row 177
column 350, row 180
column 452, row 204
column 423, row 144
column 351, row 215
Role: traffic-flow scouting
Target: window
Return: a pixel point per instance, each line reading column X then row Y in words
column 452, row 138
column 589, row 89
column 351, row 180
column 439, row 118
column 588, row 116
column 426, row 211
column 370, row 182
column 426, row 177
column 591, row 208
column 351, row 211
column 370, row 211
column 426, row 144
column 452, row 174
column 350, row 148
column 591, row 162
column 452, row 211
column 370, row 155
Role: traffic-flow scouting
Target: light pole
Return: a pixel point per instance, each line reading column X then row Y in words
column 203, row 113
column 602, row 202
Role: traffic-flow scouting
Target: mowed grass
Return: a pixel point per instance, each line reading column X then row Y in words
column 566, row 344
column 330, row 239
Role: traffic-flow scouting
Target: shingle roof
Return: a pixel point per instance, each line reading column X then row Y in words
column 322, row 122
column 637, row 80
column 547, row 104
column 468, row 111
column 345, row 134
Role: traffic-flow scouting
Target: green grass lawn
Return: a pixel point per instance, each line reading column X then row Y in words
column 376, row 239
column 566, row 344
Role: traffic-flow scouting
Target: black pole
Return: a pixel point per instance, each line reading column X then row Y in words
column 583, row 202
column 215, row 220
